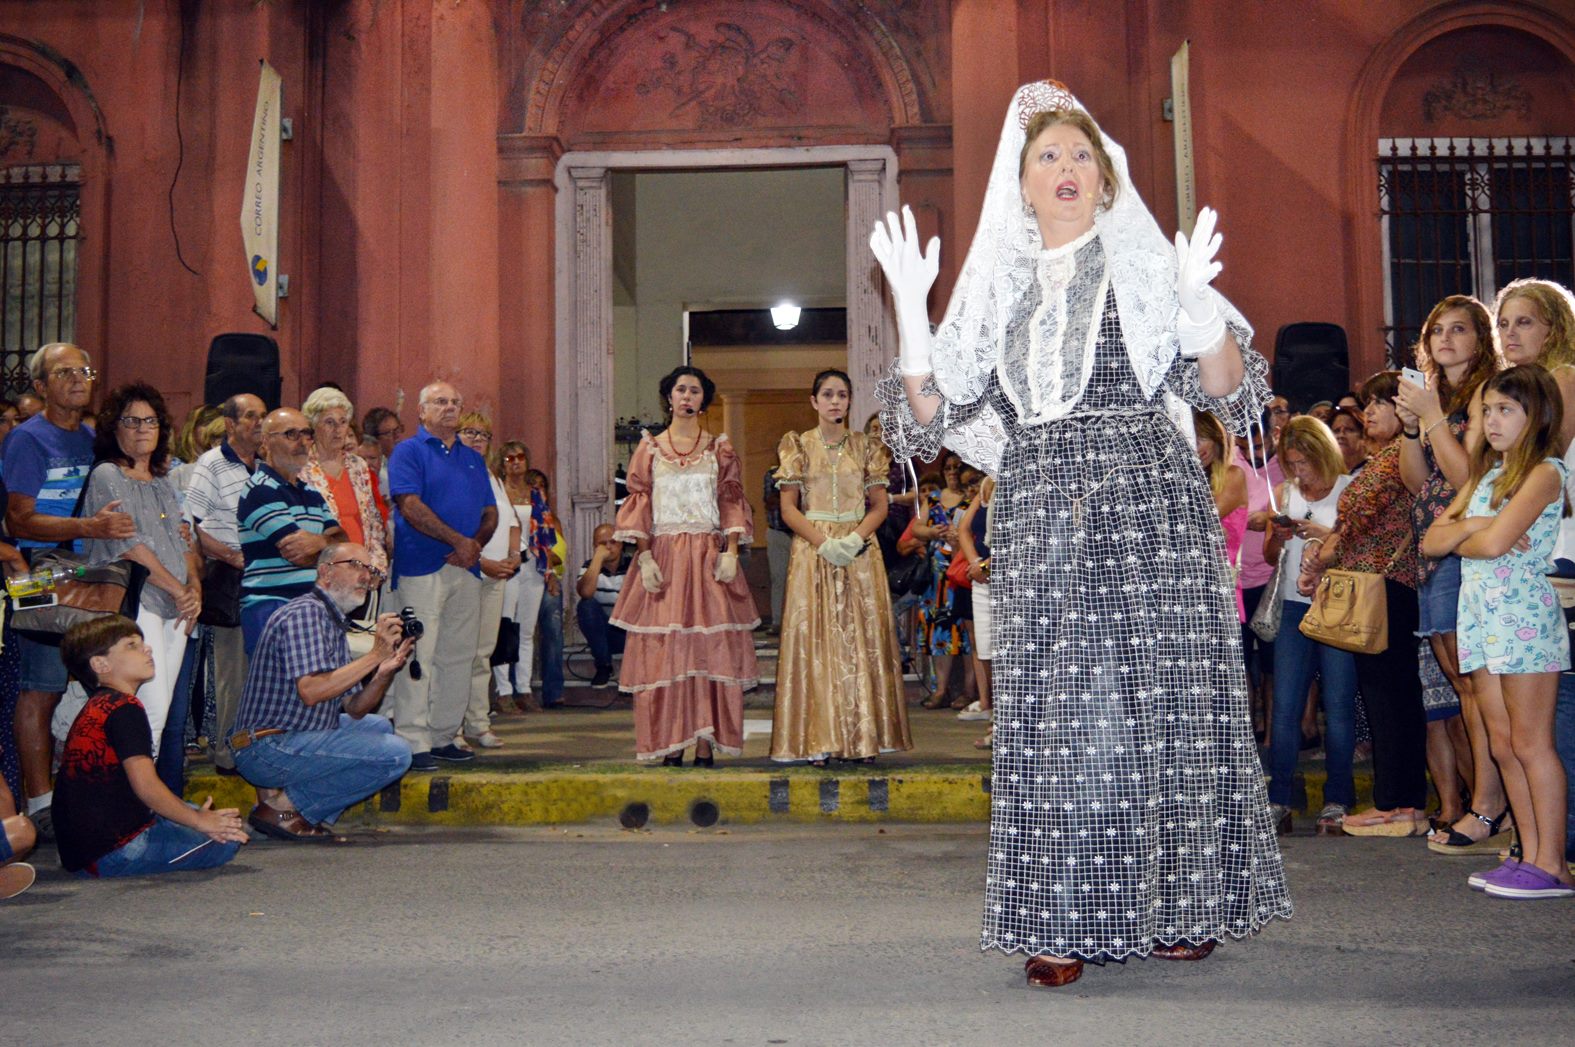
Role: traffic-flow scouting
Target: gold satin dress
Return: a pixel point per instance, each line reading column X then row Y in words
column 839, row 676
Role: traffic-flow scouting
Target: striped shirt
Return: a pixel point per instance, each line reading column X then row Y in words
column 214, row 492
column 49, row 465
column 270, row 509
column 304, row 637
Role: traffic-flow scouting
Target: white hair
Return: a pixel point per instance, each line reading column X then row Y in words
column 35, row 363
column 325, row 398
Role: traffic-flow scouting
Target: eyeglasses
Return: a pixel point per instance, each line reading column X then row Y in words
column 443, row 401
column 395, row 431
column 86, row 373
column 516, row 457
column 475, row 434
column 133, row 423
column 368, row 568
column 292, row 434
column 333, row 423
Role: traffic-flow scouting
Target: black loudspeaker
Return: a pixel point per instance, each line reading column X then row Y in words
column 243, row 363
column 1311, row 363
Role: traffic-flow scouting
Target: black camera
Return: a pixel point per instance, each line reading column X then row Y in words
column 411, row 626
column 411, row 629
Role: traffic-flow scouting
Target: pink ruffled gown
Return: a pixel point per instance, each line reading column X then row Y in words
column 689, row 654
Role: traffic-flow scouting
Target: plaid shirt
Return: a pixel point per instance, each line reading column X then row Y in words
column 305, row 636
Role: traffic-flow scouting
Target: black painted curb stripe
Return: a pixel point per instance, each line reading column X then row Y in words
column 437, row 796
column 880, row 795
column 830, row 790
column 778, row 796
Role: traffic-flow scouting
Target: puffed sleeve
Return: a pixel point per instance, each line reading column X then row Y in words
column 1239, row 409
column 877, row 463
column 794, row 462
column 973, row 430
column 733, row 508
column 634, row 516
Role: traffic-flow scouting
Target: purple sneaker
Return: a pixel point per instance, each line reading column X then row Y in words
column 1527, row 882
column 1478, row 881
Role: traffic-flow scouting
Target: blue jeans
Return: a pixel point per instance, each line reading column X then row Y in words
column 604, row 640
column 1564, row 741
column 155, row 849
column 551, row 624
column 171, row 763
column 324, row 772
column 1295, row 658
column 254, row 616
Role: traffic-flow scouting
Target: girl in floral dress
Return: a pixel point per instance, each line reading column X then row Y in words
column 1510, row 629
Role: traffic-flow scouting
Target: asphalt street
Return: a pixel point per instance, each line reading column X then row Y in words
column 755, row 935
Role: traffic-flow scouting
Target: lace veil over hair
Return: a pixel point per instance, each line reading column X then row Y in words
column 1140, row 261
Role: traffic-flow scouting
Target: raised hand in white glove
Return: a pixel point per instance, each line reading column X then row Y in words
column 910, row 273
column 650, row 574
column 726, row 567
column 1199, row 328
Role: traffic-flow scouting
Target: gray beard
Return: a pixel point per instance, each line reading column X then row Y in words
column 344, row 599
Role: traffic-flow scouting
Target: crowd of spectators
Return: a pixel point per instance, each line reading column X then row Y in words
column 260, row 542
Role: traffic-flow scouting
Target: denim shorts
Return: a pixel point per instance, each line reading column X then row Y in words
column 1439, row 600
column 42, row 669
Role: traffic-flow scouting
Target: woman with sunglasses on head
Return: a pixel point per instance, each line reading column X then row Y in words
column 131, row 448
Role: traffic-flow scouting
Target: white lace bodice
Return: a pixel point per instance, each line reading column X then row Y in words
column 684, row 497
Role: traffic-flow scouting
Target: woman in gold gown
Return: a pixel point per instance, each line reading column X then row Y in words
column 839, row 677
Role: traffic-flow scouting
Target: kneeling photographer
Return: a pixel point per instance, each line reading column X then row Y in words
column 306, row 734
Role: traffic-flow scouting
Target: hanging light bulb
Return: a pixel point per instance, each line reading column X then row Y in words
column 785, row 316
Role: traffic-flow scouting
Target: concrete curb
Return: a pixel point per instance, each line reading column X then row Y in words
column 675, row 797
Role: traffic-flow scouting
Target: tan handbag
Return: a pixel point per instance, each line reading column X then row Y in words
column 1349, row 611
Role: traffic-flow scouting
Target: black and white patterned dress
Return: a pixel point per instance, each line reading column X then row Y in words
column 1128, row 806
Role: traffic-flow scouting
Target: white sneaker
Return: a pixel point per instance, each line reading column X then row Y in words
column 973, row 712
column 488, row 740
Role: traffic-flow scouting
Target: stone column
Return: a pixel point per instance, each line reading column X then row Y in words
column 585, row 347
column 870, row 345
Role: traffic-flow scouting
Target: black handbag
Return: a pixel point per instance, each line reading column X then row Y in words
column 910, row 576
column 507, row 650
column 221, row 595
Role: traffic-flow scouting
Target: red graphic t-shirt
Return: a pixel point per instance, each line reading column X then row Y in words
column 95, row 809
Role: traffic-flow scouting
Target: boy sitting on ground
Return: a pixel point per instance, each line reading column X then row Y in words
column 113, row 816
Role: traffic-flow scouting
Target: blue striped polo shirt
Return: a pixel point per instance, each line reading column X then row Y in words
column 271, row 508
column 49, row 465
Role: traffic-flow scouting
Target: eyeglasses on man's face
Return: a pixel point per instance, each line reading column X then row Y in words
column 444, row 401
column 383, row 434
column 68, row 373
column 292, row 434
column 374, row 572
column 134, row 422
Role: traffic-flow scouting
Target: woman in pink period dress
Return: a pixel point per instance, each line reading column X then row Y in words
column 689, row 615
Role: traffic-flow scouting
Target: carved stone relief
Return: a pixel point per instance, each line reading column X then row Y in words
column 18, row 136
column 1475, row 93
column 728, row 78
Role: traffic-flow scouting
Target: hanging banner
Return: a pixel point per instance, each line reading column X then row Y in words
column 1181, row 131
column 260, row 206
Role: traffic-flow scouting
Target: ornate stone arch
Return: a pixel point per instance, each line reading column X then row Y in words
column 69, row 100
column 554, row 69
column 1363, row 253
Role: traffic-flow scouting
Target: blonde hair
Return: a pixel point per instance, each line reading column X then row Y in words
column 1556, row 308
column 1212, row 429
column 1313, row 440
column 1489, row 359
column 1041, row 122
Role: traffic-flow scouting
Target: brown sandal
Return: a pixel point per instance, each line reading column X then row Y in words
column 1045, row 973
column 288, row 825
column 1183, row 951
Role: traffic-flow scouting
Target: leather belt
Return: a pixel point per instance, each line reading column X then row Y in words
column 241, row 739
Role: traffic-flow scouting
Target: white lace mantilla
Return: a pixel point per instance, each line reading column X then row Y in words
column 683, row 496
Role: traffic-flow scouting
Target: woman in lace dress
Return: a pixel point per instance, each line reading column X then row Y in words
column 1129, row 816
column 689, row 656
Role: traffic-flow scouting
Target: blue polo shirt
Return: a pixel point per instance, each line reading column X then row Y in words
column 49, row 465
column 271, row 508
column 451, row 481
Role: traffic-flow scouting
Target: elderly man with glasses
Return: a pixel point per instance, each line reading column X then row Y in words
column 308, row 735
column 444, row 514
column 47, row 461
column 284, row 524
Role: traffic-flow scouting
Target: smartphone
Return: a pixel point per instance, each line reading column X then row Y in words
column 1283, row 521
column 1413, row 376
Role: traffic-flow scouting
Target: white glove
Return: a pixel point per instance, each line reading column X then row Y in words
column 910, row 275
column 726, row 567
column 1199, row 328
column 839, row 552
column 650, row 574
